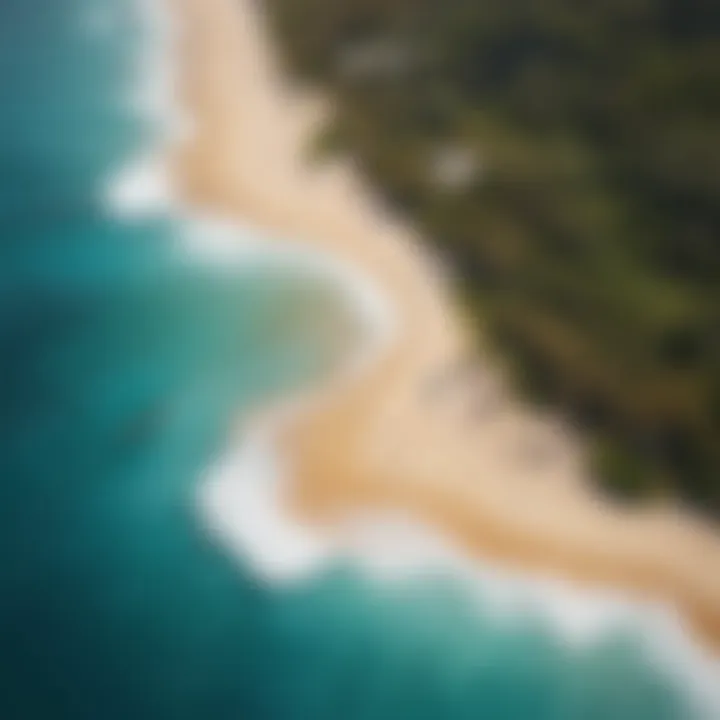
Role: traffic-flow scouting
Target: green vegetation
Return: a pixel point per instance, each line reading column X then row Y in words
column 588, row 231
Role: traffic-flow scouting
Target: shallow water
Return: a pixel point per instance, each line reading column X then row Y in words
column 125, row 361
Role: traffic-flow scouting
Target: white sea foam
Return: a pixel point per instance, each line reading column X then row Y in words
column 249, row 516
column 239, row 499
column 400, row 550
column 141, row 189
column 153, row 85
column 227, row 242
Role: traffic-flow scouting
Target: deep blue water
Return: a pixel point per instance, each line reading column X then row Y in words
column 122, row 365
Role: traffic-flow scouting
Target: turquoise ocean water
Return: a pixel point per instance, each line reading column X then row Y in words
column 124, row 361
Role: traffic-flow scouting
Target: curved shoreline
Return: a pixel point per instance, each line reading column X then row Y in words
column 393, row 449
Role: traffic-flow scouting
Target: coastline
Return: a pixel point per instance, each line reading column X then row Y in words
column 381, row 444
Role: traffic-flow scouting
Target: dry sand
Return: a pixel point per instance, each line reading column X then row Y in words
column 388, row 440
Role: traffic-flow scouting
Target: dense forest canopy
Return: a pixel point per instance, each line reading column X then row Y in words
column 583, row 207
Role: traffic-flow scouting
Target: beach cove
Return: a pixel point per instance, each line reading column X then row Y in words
column 250, row 468
column 381, row 444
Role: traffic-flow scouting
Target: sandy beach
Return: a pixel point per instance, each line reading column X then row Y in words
column 421, row 431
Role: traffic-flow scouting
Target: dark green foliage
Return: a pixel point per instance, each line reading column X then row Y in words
column 590, row 234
